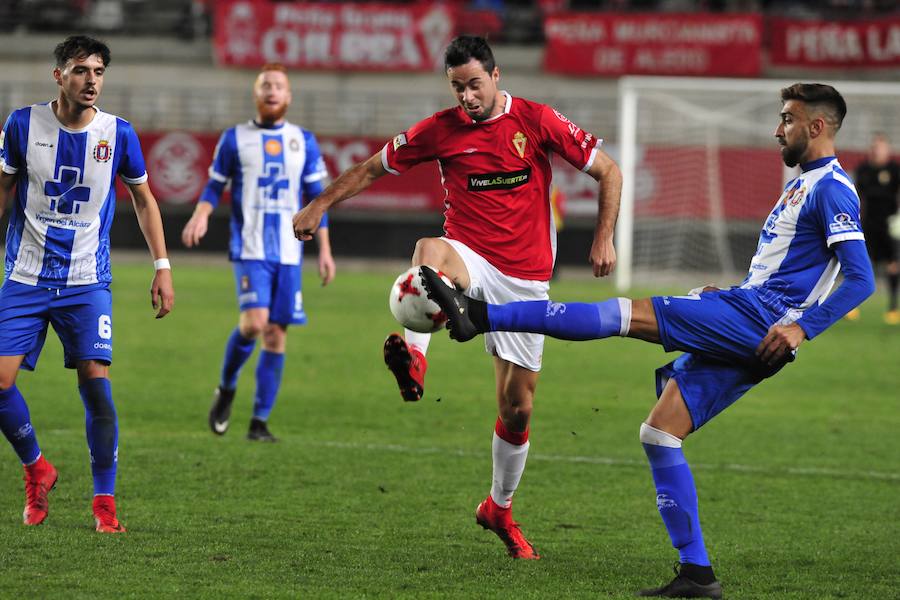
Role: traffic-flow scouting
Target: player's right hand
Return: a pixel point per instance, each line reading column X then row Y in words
column 162, row 293
column 306, row 221
column 194, row 230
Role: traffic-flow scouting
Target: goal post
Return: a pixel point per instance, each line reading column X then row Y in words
column 701, row 170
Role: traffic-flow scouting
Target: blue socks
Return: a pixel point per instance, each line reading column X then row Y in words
column 102, row 429
column 268, row 379
column 237, row 351
column 566, row 321
column 676, row 496
column 15, row 423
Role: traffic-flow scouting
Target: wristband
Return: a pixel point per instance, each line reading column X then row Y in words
column 162, row 263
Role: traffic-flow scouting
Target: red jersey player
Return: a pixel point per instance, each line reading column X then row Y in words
column 499, row 240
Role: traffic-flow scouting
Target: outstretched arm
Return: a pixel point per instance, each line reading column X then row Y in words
column 162, row 292
column 351, row 182
column 603, row 253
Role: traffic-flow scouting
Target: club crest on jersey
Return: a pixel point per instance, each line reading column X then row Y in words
column 794, row 197
column 273, row 147
column 102, row 151
column 399, row 140
column 294, row 145
column 519, row 140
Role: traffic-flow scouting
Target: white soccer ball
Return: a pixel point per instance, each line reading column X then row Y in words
column 411, row 306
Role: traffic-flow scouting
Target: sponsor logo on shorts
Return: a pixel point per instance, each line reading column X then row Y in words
column 499, row 181
column 102, row 346
column 248, row 297
column 843, row 222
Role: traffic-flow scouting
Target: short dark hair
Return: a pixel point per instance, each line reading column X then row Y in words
column 80, row 46
column 821, row 97
column 464, row 48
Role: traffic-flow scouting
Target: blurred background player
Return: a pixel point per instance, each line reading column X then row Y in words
column 62, row 157
column 274, row 168
column 878, row 181
column 734, row 338
column 499, row 242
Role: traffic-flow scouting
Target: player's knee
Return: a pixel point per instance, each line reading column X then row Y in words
column 274, row 338
column 515, row 409
column 429, row 251
column 657, row 437
column 7, row 380
column 251, row 328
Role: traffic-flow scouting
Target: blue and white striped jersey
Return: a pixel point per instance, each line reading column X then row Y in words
column 795, row 265
column 65, row 198
column 273, row 172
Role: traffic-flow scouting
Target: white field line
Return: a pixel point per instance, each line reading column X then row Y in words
column 616, row 462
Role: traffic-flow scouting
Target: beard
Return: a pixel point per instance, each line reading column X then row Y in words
column 271, row 114
column 485, row 113
column 792, row 153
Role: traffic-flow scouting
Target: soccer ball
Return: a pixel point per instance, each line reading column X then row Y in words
column 411, row 306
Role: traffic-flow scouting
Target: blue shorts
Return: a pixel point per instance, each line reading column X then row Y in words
column 81, row 316
column 720, row 332
column 271, row 285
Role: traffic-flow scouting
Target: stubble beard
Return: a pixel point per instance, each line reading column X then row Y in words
column 269, row 114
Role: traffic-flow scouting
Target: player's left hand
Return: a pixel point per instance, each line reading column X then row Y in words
column 603, row 257
column 779, row 341
column 162, row 293
column 326, row 267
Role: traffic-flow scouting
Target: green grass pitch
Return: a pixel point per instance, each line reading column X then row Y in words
column 368, row 497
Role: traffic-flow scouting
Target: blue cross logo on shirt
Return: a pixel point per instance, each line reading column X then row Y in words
column 273, row 182
column 65, row 193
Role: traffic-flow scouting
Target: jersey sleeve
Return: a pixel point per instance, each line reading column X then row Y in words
column 132, row 169
column 314, row 175
column 858, row 284
column 222, row 168
column 837, row 212
column 577, row 146
column 13, row 139
column 411, row 147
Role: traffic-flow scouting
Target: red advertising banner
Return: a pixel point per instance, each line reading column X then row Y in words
column 650, row 44
column 178, row 164
column 835, row 44
column 381, row 37
column 178, row 161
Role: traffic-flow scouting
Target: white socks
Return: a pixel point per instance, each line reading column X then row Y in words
column 509, row 463
column 417, row 340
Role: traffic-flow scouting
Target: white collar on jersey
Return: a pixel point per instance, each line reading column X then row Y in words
column 506, row 108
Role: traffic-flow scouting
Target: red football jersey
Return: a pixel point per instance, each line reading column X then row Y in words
column 496, row 178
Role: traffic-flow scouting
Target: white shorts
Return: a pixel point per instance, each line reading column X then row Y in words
column 487, row 283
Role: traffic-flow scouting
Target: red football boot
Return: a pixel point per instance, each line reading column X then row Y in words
column 105, row 515
column 40, row 478
column 408, row 365
column 499, row 520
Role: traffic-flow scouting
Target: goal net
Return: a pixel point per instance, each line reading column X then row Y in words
column 702, row 170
